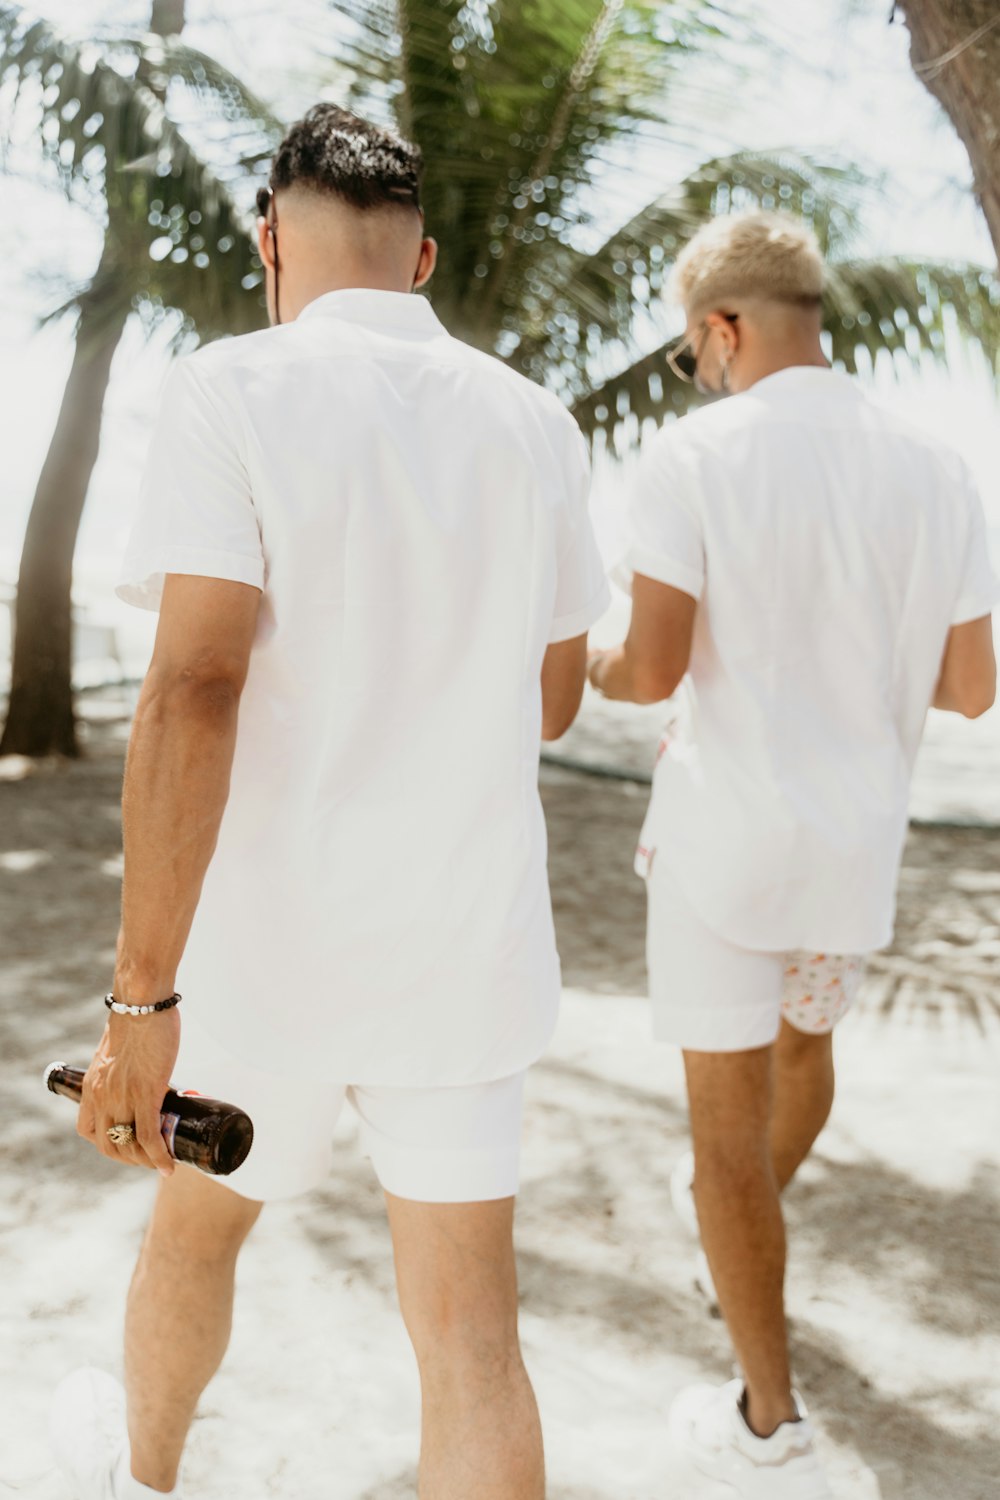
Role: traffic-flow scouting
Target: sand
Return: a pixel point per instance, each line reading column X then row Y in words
column 894, row 1286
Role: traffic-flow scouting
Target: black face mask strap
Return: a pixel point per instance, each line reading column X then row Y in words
column 273, row 227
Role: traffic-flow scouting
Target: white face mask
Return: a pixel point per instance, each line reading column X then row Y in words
column 702, row 386
column 704, row 389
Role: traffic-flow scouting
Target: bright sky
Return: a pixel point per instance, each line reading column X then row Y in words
column 836, row 82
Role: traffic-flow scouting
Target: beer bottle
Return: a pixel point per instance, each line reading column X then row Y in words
column 212, row 1136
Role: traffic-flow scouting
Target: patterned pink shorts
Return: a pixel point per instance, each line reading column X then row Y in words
column 819, row 989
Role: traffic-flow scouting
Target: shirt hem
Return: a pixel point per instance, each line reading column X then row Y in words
column 668, row 570
column 967, row 610
column 142, row 581
column 567, row 626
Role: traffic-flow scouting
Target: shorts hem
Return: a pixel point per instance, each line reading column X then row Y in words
column 446, row 1177
column 715, row 1030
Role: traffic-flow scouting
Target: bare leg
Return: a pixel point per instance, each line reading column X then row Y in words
column 458, row 1293
column 179, row 1315
column 803, row 1097
column 739, row 1213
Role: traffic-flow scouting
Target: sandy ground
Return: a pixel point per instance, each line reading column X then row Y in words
column 894, row 1284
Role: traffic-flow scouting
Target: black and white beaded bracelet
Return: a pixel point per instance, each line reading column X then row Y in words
column 140, row 1010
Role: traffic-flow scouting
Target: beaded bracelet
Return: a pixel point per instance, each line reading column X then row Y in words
column 139, row 1010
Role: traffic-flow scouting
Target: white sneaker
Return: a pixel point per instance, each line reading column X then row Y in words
column 682, row 1194
column 88, row 1435
column 707, row 1426
column 682, row 1198
column 87, row 1432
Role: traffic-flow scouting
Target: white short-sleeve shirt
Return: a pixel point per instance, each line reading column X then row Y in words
column 831, row 547
column 377, row 908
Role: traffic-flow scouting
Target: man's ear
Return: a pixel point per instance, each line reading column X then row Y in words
column 719, row 323
column 265, row 243
column 426, row 263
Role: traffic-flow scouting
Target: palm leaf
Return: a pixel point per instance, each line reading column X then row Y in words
column 587, row 323
column 903, row 307
column 891, row 306
column 108, row 127
column 514, row 106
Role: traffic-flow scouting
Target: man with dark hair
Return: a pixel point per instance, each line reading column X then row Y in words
column 372, row 543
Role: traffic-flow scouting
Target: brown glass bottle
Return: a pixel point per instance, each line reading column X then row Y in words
column 210, row 1135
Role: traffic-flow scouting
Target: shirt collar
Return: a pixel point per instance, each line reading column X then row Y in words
column 806, row 377
column 371, row 308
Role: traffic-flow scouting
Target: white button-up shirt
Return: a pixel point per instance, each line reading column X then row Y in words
column 831, row 547
column 377, row 909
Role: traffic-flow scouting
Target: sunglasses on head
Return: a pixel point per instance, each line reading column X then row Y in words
column 265, row 197
column 683, row 356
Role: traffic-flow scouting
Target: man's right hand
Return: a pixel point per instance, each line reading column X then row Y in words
column 125, row 1084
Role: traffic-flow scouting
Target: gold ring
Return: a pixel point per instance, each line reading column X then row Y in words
column 121, row 1135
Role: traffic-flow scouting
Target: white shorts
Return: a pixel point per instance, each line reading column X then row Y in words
column 710, row 996
column 438, row 1145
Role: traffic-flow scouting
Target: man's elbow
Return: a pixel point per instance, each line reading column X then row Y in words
column 558, row 721
column 194, row 692
column 654, row 683
column 979, row 701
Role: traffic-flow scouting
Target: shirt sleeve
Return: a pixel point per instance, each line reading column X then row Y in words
column 666, row 540
column 979, row 589
column 582, row 592
column 196, row 512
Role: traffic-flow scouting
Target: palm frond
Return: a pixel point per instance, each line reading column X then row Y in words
column 893, row 307
column 903, row 307
column 584, row 308
column 513, row 106
column 108, row 126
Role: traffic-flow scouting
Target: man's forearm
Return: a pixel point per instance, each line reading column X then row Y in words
column 176, row 786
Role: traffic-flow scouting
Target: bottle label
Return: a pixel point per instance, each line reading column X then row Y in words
column 168, row 1129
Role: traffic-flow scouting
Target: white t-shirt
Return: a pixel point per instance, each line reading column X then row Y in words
column 377, row 909
column 831, row 547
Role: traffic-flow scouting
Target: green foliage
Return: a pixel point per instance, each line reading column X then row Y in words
column 516, row 106
column 892, row 305
column 519, row 106
column 525, row 110
column 127, row 123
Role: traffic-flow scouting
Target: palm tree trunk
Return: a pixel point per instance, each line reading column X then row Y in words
column 955, row 51
column 40, row 717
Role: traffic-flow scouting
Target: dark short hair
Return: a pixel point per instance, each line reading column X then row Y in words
column 332, row 151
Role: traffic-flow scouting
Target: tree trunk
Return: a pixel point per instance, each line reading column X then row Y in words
column 40, row 715
column 167, row 17
column 955, row 51
column 40, row 718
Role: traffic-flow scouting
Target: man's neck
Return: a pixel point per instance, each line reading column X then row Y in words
column 810, row 354
column 303, row 293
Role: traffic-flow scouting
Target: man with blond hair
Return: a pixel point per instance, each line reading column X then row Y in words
column 812, row 573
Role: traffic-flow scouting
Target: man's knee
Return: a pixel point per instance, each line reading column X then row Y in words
column 449, row 1327
column 730, row 1097
column 803, row 1051
column 199, row 1219
column 457, row 1283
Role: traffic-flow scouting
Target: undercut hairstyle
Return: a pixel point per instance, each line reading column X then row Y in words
column 771, row 256
column 332, row 152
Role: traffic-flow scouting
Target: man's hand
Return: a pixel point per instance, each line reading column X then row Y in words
column 594, row 659
column 650, row 663
column 125, row 1085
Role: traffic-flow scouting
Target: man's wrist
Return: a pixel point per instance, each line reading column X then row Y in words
column 136, row 986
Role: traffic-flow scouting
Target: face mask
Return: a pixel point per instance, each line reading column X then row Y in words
column 704, row 389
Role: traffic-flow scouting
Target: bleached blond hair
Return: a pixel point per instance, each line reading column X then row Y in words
column 770, row 256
